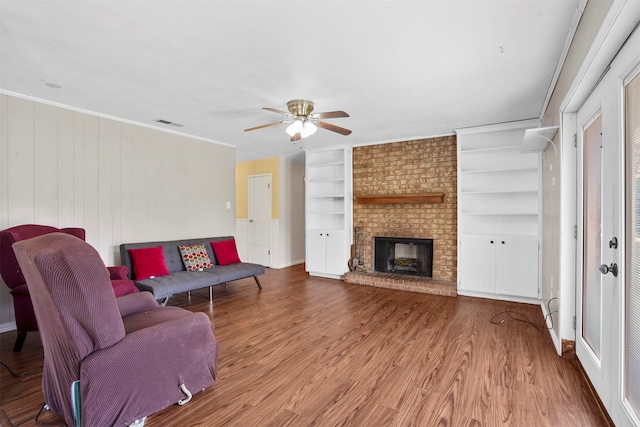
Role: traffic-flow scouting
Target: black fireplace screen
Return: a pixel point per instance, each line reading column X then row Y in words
column 401, row 255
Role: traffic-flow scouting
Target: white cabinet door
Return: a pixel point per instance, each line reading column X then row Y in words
column 478, row 263
column 517, row 266
column 336, row 261
column 499, row 265
column 315, row 256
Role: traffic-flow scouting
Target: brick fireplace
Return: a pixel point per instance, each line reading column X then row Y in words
column 406, row 190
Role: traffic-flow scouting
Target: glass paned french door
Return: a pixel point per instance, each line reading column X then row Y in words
column 631, row 362
column 608, row 307
column 592, row 242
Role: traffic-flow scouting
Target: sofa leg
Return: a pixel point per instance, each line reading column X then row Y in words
column 19, row 341
column 210, row 293
column 258, row 282
column 164, row 303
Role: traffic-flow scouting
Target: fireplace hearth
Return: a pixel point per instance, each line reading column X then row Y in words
column 401, row 255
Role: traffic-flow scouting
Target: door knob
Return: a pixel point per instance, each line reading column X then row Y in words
column 613, row 269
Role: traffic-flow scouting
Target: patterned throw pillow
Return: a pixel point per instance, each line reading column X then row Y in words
column 195, row 257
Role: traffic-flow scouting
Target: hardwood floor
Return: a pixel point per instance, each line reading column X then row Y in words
column 309, row 351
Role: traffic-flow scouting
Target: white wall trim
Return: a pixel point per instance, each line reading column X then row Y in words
column 6, row 327
column 529, row 123
column 556, row 341
column 106, row 116
column 565, row 51
column 568, row 219
column 617, row 25
column 391, row 141
column 499, row 297
column 288, row 264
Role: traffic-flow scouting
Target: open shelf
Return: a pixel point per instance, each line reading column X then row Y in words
column 491, row 149
column 321, row 165
column 507, row 170
column 537, row 139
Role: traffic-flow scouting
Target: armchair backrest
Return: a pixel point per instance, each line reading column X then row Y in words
column 9, row 268
column 74, row 305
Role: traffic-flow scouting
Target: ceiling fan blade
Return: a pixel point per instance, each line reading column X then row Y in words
column 264, row 126
column 273, row 110
column 296, row 137
column 330, row 115
column 334, row 128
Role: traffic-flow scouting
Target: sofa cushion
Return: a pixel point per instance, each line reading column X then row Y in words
column 226, row 252
column 236, row 271
column 180, row 281
column 195, row 257
column 148, row 262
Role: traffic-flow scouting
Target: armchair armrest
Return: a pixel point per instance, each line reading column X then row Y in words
column 118, row 272
column 133, row 303
column 156, row 359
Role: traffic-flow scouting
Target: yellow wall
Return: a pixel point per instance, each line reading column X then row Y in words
column 256, row 167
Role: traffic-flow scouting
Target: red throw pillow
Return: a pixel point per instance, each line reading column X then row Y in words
column 226, row 252
column 148, row 262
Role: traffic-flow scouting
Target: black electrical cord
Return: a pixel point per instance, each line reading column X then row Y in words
column 11, row 371
column 47, row 423
column 514, row 314
column 44, row 405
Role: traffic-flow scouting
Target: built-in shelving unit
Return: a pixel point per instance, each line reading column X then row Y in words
column 328, row 211
column 498, row 212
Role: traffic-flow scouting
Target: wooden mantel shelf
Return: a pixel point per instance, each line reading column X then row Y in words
column 386, row 199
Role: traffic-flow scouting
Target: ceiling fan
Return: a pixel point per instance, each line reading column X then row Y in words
column 302, row 123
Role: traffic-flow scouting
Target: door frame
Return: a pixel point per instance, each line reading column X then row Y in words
column 617, row 25
column 609, row 88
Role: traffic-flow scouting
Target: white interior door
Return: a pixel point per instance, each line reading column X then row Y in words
column 260, row 219
column 608, row 291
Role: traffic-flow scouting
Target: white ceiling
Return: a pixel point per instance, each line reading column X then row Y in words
column 401, row 69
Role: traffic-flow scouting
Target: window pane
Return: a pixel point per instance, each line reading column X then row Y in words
column 592, row 278
column 632, row 285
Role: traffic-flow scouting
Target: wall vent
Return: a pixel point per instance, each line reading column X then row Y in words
column 167, row 122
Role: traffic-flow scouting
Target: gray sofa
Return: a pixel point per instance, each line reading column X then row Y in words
column 180, row 279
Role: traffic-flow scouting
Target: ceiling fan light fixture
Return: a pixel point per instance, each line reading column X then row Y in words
column 294, row 127
column 302, row 122
column 308, row 129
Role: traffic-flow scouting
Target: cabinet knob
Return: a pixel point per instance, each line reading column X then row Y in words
column 492, row 242
column 503, row 242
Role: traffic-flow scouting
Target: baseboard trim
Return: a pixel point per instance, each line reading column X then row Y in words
column 288, row 264
column 592, row 389
column 524, row 300
column 557, row 343
column 6, row 327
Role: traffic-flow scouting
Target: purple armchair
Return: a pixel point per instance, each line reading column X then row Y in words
column 122, row 359
column 13, row 277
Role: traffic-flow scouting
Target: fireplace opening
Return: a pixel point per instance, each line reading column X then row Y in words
column 400, row 255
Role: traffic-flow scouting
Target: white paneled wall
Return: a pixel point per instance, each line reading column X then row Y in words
column 120, row 181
